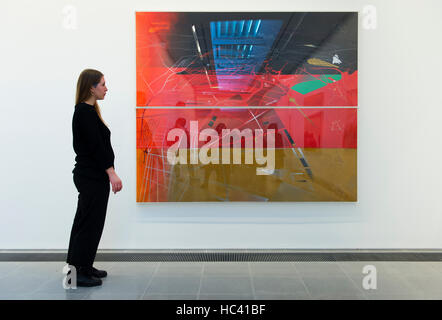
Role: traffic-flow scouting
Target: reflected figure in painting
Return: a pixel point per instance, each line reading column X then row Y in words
column 222, row 171
column 179, row 169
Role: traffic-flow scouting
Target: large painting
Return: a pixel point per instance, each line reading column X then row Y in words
column 246, row 106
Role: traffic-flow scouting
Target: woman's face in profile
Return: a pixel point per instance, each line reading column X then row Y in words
column 100, row 90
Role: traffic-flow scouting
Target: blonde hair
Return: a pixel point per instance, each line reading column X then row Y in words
column 87, row 79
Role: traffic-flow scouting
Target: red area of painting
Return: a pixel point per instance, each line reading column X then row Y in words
column 172, row 89
column 150, row 30
column 321, row 127
column 308, row 128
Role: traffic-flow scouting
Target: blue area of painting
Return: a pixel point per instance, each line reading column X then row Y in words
column 240, row 48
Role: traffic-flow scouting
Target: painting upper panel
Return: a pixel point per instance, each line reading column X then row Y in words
column 191, row 59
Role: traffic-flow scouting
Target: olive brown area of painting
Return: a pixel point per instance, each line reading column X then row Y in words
column 330, row 175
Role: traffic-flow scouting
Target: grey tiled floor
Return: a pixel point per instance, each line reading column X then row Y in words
column 226, row 280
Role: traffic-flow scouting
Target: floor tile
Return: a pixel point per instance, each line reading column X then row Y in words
column 14, row 296
column 229, row 285
column 231, row 269
column 116, row 284
column 57, row 296
column 282, row 269
column 55, row 286
column 220, row 296
column 356, row 268
column 134, row 269
column 98, row 295
column 327, row 287
column 174, row 285
column 386, row 284
column 227, row 281
column 7, row 268
column 427, row 285
column 413, row 268
column 279, row 285
column 170, row 296
column 436, row 265
column 174, row 269
column 330, row 269
column 283, row 296
column 21, row 284
column 407, row 296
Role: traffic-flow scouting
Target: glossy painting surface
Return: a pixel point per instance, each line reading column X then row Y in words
column 292, row 74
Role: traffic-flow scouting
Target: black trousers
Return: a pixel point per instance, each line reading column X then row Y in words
column 88, row 222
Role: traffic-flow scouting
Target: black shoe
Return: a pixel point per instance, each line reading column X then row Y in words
column 88, row 281
column 85, row 278
column 99, row 273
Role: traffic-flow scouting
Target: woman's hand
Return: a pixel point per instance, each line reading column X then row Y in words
column 116, row 182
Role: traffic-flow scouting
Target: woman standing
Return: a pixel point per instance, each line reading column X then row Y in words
column 94, row 169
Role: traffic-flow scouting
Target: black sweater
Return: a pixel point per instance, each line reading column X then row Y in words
column 91, row 140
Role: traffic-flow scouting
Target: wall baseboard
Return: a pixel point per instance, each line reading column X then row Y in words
column 258, row 255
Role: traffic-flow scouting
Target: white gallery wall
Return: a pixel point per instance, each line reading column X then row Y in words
column 399, row 133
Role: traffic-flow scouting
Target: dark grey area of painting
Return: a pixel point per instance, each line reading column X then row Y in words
column 297, row 37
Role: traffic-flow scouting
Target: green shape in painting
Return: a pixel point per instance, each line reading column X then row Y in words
column 330, row 77
column 310, row 86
